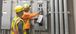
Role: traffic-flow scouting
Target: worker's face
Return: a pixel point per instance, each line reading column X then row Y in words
column 26, row 8
column 20, row 14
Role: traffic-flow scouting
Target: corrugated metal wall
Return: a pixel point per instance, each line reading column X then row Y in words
column 0, row 14
column 71, row 17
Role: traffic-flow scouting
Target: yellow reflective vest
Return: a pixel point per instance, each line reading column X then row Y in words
column 14, row 25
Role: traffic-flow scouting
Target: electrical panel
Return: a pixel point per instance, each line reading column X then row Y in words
column 6, row 15
column 40, row 6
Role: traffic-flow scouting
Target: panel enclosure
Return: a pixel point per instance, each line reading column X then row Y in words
column 6, row 15
column 40, row 6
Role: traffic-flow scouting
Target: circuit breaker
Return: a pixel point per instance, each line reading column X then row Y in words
column 6, row 15
column 40, row 6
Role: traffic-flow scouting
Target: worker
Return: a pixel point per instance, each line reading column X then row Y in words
column 17, row 22
column 27, row 16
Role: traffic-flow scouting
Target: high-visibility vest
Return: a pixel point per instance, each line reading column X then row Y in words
column 14, row 25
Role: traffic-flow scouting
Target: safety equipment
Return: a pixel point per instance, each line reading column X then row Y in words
column 14, row 25
column 18, row 8
column 26, row 5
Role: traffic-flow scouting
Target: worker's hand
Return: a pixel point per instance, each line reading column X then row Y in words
column 15, row 31
column 24, row 30
column 36, row 13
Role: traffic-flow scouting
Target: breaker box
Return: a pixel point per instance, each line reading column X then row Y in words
column 40, row 6
column 6, row 15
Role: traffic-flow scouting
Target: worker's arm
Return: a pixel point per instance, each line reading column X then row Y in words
column 34, row 14
column 12, row 24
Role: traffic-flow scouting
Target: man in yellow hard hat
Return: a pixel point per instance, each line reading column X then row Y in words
column 17, row 22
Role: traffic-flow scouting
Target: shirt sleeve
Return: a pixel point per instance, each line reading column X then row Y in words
column 12, row 24
column 33, row 14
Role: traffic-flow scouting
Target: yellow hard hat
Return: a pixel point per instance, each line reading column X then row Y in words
column 18, row 8
column 26, row 5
